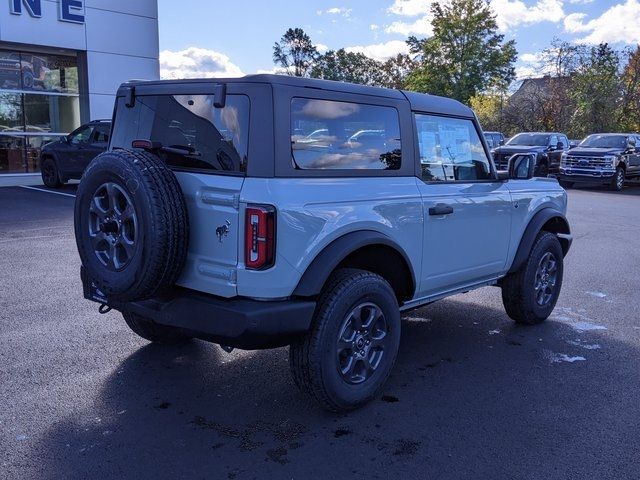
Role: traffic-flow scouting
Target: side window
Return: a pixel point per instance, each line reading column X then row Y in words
column 82, row 135
column 565, row 142
column 330, row 135
column 490, row 140
column 450, row 150
column 553, row 140
column 101, row 134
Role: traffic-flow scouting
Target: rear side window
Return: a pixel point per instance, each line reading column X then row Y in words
column 193, row 133
column 329, row 135
column 450, row 150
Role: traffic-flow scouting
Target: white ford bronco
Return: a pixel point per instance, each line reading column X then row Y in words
column 269, row 211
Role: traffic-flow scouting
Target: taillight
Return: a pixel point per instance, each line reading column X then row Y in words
column 260, row 237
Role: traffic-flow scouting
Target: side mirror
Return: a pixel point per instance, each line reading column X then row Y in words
column 501, row 142
column 522, row 166
column 560, row 146
column 631, row 145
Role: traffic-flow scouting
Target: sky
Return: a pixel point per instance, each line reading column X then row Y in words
column 215, row 38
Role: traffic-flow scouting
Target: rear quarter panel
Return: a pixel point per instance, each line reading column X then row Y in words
column 313, row 212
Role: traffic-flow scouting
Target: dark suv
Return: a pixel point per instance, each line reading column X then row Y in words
column 67, row 158
column 548, row 148
column 608, row 158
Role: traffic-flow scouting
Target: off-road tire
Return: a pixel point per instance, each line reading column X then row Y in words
column 50, row 173
column 153, row 332
column 518, row 294
column 566, row 185
column 618, row 180
column 160, row 248
column 313, row 357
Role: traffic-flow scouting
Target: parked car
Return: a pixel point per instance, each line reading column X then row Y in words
column 314, row 245
column 548, row 147
column 494, row 139
column 607, row 158
column 67, row 158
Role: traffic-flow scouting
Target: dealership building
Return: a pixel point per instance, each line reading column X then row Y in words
column 61, row 62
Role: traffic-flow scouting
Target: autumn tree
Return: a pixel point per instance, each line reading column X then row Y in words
column 465, row 55
column 596, row 91
column 629, row 117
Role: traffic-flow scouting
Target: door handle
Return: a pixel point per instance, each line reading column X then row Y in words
column 441, row 209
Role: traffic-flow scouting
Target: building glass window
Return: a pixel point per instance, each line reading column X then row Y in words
column 39, row 103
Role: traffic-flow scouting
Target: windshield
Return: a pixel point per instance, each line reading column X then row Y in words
column 605, row 141
column 534, row 139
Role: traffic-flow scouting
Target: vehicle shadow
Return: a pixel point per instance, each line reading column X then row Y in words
column 472, row 396
column 631, row 188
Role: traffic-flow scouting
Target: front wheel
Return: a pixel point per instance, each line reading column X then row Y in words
column 617, row 182
column 346, row 357
column 530, row 294
column 50, row 173
column 153, row 332
column 566, row 185
column 542, row 170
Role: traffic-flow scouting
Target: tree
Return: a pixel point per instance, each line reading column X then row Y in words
column 396, row 70
column 343, row 66
column 630, row 109
column 596, row 91
column 465, row 55
column 295, row 52
column 488, row 107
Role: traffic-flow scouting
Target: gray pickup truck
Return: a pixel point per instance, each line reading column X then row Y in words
column 272, row 211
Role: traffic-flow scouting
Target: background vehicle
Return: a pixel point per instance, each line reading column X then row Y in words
column 608, row 158
column 318, row 243
column 494, row 139
column 67, row 158
column 549, row 148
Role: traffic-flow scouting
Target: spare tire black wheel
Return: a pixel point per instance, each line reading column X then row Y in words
column 131, row 225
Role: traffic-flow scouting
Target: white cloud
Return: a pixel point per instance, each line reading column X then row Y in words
column 421, row 27
column 619, row 24
column 343, row 11
column 196, row 63
column 321, row 47
column 381, row 51
column 580, row 2
column 410, row 8
column 374, row 27
column 509, row 14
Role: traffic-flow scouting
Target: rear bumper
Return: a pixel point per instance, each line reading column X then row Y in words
column 238, row 322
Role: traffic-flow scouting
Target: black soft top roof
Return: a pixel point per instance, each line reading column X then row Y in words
column 419, row 101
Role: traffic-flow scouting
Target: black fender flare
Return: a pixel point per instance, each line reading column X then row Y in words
column 330, row 257
column 535, row 226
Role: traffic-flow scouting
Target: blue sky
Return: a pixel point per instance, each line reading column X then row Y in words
column 219, row 38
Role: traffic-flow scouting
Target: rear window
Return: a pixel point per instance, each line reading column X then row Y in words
column 193, row 133
column 329, row 135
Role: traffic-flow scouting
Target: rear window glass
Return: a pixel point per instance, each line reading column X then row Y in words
column 329, row 135
column 193, row 133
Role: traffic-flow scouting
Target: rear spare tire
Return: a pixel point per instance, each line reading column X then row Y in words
column 131, row 225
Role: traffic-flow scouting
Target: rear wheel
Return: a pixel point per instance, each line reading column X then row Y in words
column 346, row 357
column 530, row 294
column 565, row 184
column 50, row 174
column 617, row 182
column 153, row 332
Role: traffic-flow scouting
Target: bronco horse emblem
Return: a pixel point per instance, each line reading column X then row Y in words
column 223, row 230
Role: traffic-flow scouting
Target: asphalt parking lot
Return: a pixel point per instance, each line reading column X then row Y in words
column 472, row 395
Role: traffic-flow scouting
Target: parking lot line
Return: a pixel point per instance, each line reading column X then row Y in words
column 48, row 191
